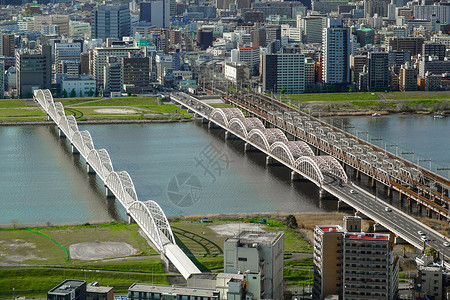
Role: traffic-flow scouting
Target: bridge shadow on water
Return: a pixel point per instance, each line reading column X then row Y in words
column 85, row 183
column 305, row 190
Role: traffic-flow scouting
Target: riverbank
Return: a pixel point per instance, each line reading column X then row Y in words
column 99, row 122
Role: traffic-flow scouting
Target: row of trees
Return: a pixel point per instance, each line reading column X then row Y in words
column 73, row 93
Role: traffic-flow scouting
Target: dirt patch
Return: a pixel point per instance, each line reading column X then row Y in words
column 232, row 229
column 100, row 250
column 115, row 111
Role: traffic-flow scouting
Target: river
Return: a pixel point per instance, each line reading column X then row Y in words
column 184, row 167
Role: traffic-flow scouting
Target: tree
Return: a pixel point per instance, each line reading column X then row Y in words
column 430, row 251
column 90, row 93
column 14, row 222
column 64, row 94
column 287, row 295
column 81, row 93
column 291, row 222
column 73, row 93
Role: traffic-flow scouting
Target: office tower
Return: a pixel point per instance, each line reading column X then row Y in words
column 273, row 33
column 412, row 45
column 62, row 21
column 327, row 6
column 283, row 72
column 156, row 13
column 136, row 69
column 250, row 55
column 113, row 76
column 336, row 51
column 434, row 49
column 260, row 254
column 204, row 38
column 66, row 52
column 379, row 7
column 99, row 60
column 84, row 63
column 2, row 79
column 259, row 37
column 80, row 29
column 110, row 22
column 310, row 75
column 312, row 28
column 408, row 78
column 357, row 63
column 379, row 71
column 34, row 70
column 425, row 12
column 8, row 45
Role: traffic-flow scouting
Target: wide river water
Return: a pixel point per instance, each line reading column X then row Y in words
column 41, row 181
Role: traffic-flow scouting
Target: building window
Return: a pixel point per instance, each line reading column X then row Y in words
column 242, row 258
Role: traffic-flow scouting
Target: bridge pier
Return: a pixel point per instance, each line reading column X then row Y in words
column 399, row 240
column 229, row 136
column 270, row 161
column 361, row 215
column 61, row 133
column 109, row 193
column 205, row 121
column 343, row 206
column 249, row 148
column 419, row 210
column 379, row 228
column 75, row 150
column 357, row 174
column 373, row 184
column 429, row 213
column 89, row 169
column 296, row 176
column 130, row 219
column 212, row 125
column 389, row 192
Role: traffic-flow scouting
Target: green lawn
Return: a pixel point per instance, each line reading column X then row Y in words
column 302, row 263
column 330, row 97
column 26, row 280
column 20, row 112
column 147, row 265
column 12, row 103
column 418, row 95
column 298, row 277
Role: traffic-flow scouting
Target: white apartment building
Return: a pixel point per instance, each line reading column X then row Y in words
column 249, row 55
column 284, row 72
column 336, row 53
column 424, row 12
column 80, row 29
column 84, row 85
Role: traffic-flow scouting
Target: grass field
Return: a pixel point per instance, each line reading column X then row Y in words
column 24, row 281
column 418, row 95
column 83, row 109
column 331, row 97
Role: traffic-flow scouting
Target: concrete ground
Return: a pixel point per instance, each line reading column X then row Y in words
column 100, row 250
column 232, row 229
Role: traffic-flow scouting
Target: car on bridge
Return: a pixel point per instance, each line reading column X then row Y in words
column 352, row 192
column 446, row 244
column 388, row 209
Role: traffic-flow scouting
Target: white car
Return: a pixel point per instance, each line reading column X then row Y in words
column 352, row 192
column 420, row 232
column 446, row 244
column 423, row 238
column 388, row 209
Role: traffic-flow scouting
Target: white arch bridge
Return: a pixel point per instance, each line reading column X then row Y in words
column 147, row 214
column 296, row 155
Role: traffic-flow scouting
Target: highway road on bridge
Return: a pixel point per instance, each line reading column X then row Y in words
column 388, row 216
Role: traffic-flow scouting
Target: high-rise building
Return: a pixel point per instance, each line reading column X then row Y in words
column 379, row 7
column 312, row 28
column 155, row 13
column 259, row 37
column 2, row 79
column 8, row 45
column 204, row 38
column 113, row 76
column 136, row 69
column 62, row 21
column 352, row 264
column 408, row 78
column 357, row 63
column 434, row 49
column 110, row 21
column 84, row 63
column 250, row 55
column 379, row 71
column 99, row 60
column 310, row 76
column 283, row 72
column 261, row 254
column 336, row 51
column 66, row 52
column 327, row 261
column 424, row 12
column 34, row 70
column 412, row 45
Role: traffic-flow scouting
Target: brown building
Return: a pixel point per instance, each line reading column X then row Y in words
column 96, row 292
column 251, row 17
column 357, row 63
column 408, row 78
column 61, row 20
column 175, row 37
column 412, row 45
column 136, row 69
column 8, row 45
column 84, row 63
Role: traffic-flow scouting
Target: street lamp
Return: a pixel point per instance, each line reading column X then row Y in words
column 364, row 132
column 428, row 159
column 392, row 145
column 409, row 152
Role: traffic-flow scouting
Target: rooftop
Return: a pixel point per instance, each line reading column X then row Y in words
column 329, row 228
column 93, row 287
column 67, row 286
column 172, row 290
column 366, row 236
column 260, row 237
